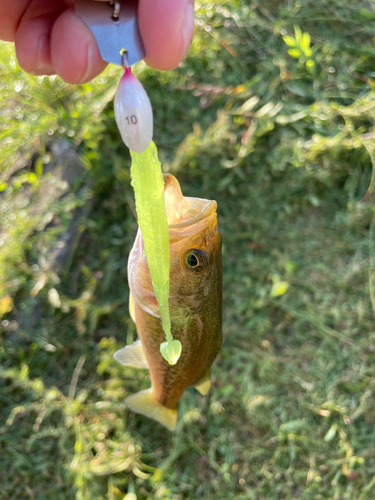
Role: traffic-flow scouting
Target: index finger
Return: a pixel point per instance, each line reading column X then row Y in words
column 10, row 16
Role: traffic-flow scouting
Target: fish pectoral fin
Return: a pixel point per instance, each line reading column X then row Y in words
column 204, row 384
column 132, row 355
column 131, row 307
column 143, row 402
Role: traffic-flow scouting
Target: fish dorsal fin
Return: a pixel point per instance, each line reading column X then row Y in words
column 204, row 384
column 143, row 402
column 131, row 307
column 132, row 355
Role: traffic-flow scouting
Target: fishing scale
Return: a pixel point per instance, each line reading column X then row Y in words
column 116, row 30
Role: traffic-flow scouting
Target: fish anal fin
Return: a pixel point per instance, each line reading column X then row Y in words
column 131, row 307
column 132, row 355
column 144, row 403
column 204, row 384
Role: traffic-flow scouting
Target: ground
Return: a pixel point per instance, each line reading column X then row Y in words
column 272, row 115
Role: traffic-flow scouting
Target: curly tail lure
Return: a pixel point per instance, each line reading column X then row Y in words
column 148, row 184
column 115, row 26
column 134, row 119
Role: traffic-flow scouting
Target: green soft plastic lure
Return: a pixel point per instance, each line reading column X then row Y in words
column 148, row 184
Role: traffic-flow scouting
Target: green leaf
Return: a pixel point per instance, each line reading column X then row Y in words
column 314, row 200
column 38, row 167
column 305, row 42
column 6, row 304
column 32, row 178
column 293, row 426
column 248, row 105
column 296, row 53
column 130, row 496
column 367, row 14
column 298, row 34
column 157, row 475
column 297, row 89
column 289, row 266
column 54, row 298
column 279, row 288
column 289, row 40
column 331, row 433
column 295, row 117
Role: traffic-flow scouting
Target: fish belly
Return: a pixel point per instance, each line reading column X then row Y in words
column 200, row 341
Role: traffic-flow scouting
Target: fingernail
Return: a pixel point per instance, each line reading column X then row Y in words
column 90, row 60
column 43, row 57
column 188, row 28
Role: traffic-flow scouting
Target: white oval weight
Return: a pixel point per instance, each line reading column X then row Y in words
column 133, row 113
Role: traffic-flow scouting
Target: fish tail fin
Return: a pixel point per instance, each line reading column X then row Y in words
column 143, row 402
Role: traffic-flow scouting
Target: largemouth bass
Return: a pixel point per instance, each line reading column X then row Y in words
column 195, row 303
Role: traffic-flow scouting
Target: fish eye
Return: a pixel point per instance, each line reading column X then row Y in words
column 195, row 260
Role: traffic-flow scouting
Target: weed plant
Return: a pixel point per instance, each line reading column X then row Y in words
column 272, row 115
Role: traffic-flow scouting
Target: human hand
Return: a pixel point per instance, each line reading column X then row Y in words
column 50, row 38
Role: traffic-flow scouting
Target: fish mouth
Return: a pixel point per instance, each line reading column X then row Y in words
column 189, row 219
column 183, row 211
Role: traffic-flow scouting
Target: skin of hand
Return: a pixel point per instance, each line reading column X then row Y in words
column 51, row 39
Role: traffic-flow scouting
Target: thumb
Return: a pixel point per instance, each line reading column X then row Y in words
column 167, row 28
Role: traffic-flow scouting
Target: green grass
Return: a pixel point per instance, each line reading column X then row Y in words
column 287, row 150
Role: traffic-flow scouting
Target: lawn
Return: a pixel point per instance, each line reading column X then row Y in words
column 272, row 115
